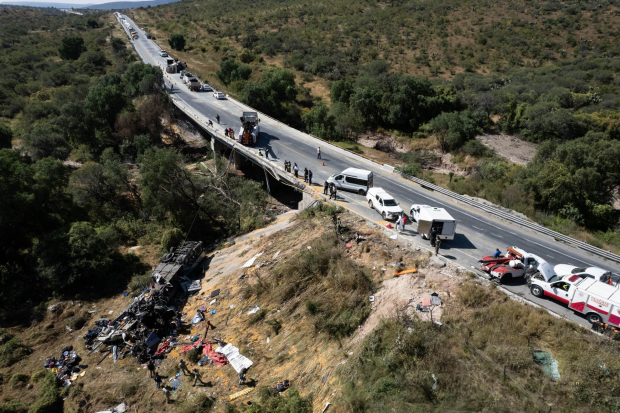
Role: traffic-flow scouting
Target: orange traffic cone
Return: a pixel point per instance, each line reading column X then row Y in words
column 323, row 163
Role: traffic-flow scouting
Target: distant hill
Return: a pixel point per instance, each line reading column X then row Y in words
column 103, row 6
column 43, row 4
column 129, row 4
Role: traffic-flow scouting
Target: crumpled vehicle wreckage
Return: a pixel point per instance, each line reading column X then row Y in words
column 152, row 315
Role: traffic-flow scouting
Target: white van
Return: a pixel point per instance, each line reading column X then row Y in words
column 352, row 179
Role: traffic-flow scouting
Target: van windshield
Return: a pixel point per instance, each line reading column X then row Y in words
column 389, row 202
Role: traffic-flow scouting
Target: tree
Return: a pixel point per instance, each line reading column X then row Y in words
column 453, row 129
column 143, row 78
column 93, row 24
column 583, row 173
column 231, row 71
column 320, row 123
column 71, row 48
column 106, row 100
column 275, row 89
column 366, row 102
column 45, row 141
column 6, row 136
column 177, row 41
column 341, row 91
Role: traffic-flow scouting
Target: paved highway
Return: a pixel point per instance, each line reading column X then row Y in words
column 478, row 233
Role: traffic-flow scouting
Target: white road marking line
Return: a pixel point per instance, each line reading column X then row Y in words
column 498, row 236
column 479, row 229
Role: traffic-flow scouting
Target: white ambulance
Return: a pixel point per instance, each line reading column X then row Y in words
column 598, row 301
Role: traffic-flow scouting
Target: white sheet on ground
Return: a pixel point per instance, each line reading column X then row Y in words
column 236, row 360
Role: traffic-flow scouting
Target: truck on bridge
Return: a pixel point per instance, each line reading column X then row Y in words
column 248, row 134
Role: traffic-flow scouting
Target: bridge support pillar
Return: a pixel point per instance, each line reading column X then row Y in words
column 238, row 159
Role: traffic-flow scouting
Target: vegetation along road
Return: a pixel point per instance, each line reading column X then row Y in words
column 478, row 233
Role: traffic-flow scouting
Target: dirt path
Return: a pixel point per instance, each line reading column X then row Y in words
column 510, row 147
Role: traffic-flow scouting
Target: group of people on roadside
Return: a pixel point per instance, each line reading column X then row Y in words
column 332, row 190
column 195, row 374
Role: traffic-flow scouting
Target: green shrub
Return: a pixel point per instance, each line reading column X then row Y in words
column 275, row 325
column 474, row 295
column 13, row 407
column 198, row 404
column 13, row 351
column 48, row 400
column 172, row 238
column 258, row 317
column 19, row 379
column 194, row 355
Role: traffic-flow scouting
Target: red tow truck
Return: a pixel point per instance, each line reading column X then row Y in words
column 514, row 264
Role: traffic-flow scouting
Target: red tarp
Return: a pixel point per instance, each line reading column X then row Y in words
column 163, row 348
column 197, row 344
column 218, row 359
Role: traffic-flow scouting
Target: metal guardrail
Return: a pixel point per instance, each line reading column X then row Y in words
column 516, row 220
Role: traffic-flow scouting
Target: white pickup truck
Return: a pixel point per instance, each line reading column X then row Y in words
column 383, row 203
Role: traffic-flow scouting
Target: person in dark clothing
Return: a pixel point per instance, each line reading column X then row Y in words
column 310, row 177
column 217, row 118
column 151, row 368
column 325, row 188
column 266, row 153
column 226, row 132
column 318, row 153
column 306, row 175
column 157, row 379
column 433, row 235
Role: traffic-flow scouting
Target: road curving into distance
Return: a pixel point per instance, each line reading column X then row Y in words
column 478, row 233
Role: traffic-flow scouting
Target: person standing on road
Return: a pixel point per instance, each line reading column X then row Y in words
column 318, row 153
column 404, row 221
column 217, row 118
column 296, row 169
column 325, row 188
column 310, row 177
column 399, row 222
column 437, row 244
column 433, row 235
column 306, row 175
column 171, row 87
column 266, row 153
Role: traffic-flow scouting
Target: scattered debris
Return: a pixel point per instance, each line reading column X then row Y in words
column 406, row 272
column 324, row 379
column 371, row 298
column 548, row 363
column 215, row 293
column 240, row 393
column 393, row 236
column 327, row 404
column 121, row 408
column 250, row 262
column 255, row 310
column 434, row 384
column 281, row 386
column 276, row 255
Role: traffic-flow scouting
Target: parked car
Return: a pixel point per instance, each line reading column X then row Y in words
column 219, row 95
column 383, row 203
column 163, row 53
column 352, row 179
column 206, row 88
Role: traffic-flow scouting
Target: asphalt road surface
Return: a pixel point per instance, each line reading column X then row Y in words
column 478, row 233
